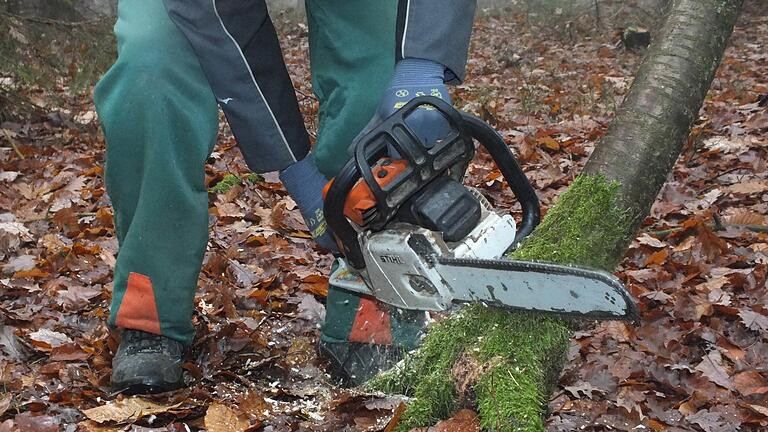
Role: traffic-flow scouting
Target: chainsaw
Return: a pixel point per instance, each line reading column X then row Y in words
column 414, row 236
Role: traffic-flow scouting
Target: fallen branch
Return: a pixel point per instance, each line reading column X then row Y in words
column 49, row 21
column 13, row 143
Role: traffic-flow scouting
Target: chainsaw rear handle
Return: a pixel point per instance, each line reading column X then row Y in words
column 513, row 174
column 450, row 155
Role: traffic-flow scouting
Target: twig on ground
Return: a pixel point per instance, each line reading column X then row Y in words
column 48, row 216
column 717, row 226
column 50, row 21
column 13, row 143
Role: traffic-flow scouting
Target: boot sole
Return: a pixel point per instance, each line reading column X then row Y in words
column 144, row 385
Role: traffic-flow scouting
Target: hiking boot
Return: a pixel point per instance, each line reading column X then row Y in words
column 147, row 363
column 354, row 363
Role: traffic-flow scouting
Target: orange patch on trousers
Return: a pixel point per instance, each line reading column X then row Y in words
column 371, row 324
column 138, row 310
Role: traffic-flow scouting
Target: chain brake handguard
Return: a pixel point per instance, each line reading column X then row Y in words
column 451, row 154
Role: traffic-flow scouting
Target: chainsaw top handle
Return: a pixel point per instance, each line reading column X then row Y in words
column 450, row 155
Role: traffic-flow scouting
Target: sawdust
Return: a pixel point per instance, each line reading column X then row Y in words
column 466, row 372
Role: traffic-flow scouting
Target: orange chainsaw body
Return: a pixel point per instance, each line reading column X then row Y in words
column 360, row 199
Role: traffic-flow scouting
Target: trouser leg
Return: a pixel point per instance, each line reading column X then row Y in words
column 159, row 118
column 352, row 54
column 241, row 57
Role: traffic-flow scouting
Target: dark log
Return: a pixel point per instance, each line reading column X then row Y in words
column 635, row 38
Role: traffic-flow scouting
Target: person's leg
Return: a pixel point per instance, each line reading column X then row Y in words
column 160, row 121
column 352, row 55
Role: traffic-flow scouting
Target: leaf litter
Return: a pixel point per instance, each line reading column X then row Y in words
column 698, row 269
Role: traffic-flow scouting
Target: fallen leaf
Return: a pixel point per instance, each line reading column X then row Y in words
column 315, row 284
column 127, row 410
column 711, row 244
column 685, row 245
column 68, row 352
column 8, row 176
column 583, row 389
column 712, row 367
column 77, row 296
column 718, row 296
column 66, row 219
column 657, row 258
column 12, row 235
column 548, row 142
column 750, row 383
column 19, row 263
column 659, row 296
column 464, row 421
column 643, row 275
column 10, row 344
column 758, row 409
column 30, row 422
column 311, row 309
column 712, row 284
column 229, row 209
column 45, row 339
column 745, row 217
column 724, row 144
column 753, row 320
column 749, row 187
column 730, row 350
column 709, row 421
column 34, row 273
column 647, row 240
column 92, row 426
column 702, row 310
column 220, row 418
column 5, row 403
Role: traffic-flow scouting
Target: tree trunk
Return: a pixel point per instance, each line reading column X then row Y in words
column 508, row 363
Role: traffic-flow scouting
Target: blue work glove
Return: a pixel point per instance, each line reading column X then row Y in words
column 305, row 184
column 416, row 77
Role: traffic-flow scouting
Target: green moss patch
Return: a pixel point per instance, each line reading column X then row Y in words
column 526, row 352
column 231, row 180
column 426, row 375
column 512, row 395
column 581, row 228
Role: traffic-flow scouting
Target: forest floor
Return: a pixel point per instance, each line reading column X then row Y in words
column 696, row 362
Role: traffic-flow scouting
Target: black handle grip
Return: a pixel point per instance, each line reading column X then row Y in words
column 450, row 154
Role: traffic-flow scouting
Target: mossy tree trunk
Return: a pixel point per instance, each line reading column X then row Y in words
column 514, row 359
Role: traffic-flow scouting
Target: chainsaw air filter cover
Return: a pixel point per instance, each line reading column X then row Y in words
column 443, row 205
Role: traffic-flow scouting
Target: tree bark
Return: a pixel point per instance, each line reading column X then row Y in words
column 506, row 364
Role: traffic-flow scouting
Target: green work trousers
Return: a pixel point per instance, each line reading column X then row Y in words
column 160, row 118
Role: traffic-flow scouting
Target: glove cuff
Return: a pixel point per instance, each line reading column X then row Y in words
column 417, row 72
column 305, row 183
